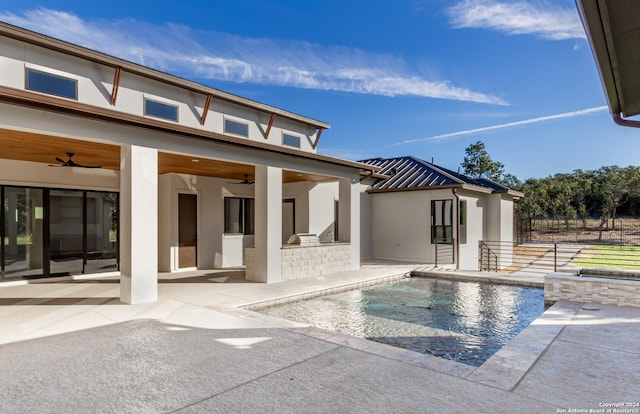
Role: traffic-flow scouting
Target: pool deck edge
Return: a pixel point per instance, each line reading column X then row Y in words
column 506, row 368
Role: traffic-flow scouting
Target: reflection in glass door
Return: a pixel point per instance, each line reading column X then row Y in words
column 102, row 232
column 66, row 247
column 22, row 232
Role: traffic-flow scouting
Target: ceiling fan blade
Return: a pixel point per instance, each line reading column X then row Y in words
column 71, row 163
column 244, row 181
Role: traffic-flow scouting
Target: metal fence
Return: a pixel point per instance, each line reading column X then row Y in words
column 554, row 257
column 619, row 231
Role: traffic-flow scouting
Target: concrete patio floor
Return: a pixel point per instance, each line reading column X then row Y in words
column 72, row 347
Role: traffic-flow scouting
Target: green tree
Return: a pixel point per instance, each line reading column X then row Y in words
column 477, row 163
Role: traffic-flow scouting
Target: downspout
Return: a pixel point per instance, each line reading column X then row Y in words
column 618, row 119
column 457, row 197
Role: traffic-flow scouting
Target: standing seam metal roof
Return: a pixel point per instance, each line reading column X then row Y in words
column 411, row 173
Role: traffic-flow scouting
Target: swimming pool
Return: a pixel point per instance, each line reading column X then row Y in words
column 465, row 322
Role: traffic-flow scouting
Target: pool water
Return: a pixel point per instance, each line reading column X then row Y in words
column 465, row 322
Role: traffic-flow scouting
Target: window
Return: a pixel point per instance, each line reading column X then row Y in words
column 441, row 221
column 238, row 215
column 236, row 128
column 160, row 110
column 463, row 222
column 52, row 84
column 291, row 140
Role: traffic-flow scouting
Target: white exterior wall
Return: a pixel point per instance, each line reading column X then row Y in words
column 314, row 207
column 401, row 224
column 366, row 223
column 95, row 84
column 499, row 227
column 476, row 209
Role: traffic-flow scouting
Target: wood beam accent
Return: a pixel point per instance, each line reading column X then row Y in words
column 116, row 85
column 205, row 110
column 315, row 144
column 271, row 120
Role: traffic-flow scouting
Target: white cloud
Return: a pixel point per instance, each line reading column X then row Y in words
column 225, row 57
column 450, row 135
column 545, row 20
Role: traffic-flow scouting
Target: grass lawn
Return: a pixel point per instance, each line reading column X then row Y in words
column 612, row 257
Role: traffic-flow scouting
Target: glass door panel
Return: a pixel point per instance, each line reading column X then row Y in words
column 102, row 232
column 65, row 232
column 23, row 232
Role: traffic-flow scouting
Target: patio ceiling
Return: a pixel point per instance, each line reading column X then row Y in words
column 26, row 146
column 613, row 29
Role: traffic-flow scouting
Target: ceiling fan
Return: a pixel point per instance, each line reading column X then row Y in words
column 245, row 181
column 71, row 163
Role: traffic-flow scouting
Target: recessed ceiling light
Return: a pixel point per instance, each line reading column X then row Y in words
column 194, row 160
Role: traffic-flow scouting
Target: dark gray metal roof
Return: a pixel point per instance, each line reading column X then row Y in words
column 410, row 173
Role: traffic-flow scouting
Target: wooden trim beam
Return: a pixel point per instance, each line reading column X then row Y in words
column 315, row 144
column 205, row 110
column 116, row 85
column 271, row 120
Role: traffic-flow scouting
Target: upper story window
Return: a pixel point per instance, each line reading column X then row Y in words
column 236, row 128
column 160, row 110
column 291, row 140
column 52, row 84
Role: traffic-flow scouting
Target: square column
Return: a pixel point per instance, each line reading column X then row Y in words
column 138, row 224
column 349, row 217
column 268, row 225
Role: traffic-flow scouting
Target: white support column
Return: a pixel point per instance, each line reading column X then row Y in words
column 268, row 224
column 349, row 217
column 138, row 224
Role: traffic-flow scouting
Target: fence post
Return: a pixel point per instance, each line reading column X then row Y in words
column 555, row 257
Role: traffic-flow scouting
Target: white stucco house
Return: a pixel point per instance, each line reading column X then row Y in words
column 429, row 214
column 110, row 166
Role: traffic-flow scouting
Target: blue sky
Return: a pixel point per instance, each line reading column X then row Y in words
column 406, row 77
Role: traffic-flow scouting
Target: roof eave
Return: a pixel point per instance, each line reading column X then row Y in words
column 65, row 106
column 596, row 28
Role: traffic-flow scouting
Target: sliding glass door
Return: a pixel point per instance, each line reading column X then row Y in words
column 102, row 232
column 53, row 232
column 66, row 244
column 22, row 232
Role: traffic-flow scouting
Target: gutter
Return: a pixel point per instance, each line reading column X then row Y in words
column 618, row 119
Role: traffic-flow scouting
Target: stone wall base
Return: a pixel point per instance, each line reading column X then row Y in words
column 606, row 291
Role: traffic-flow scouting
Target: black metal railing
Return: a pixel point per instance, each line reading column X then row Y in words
column 488, row 258
column 554, row 257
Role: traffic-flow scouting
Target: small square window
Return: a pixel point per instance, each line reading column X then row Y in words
column 236, row 128
column 52, row 84
column 160, row 110
column 291, row 140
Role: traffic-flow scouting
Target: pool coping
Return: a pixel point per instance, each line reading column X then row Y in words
column 503, row 370
column 326, row 291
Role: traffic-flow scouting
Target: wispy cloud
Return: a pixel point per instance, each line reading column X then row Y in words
column 543, row 19
column 451, row 135
column 220, row 56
